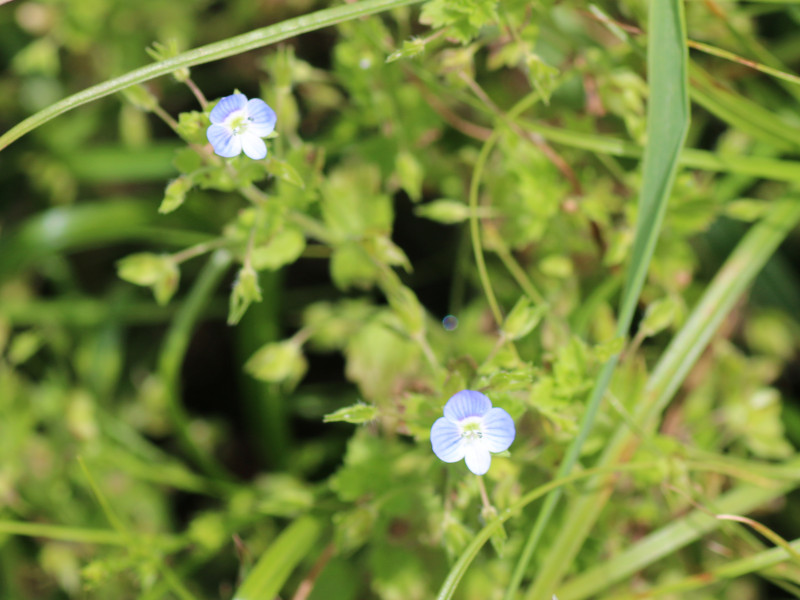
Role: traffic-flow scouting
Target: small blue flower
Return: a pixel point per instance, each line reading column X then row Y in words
column 471, row 429
column 239, row 124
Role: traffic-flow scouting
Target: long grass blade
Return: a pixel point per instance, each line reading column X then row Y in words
column 667, row 126
column 257, row 38
column 276, row 564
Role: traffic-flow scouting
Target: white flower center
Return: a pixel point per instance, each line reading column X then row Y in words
column 238, row 121
column 471, row 429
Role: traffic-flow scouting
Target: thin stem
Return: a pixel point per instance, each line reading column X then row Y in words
column 197, row 93
column 474, row 227
column 166, row 117
column 307, row 585
column 517, row 272
column 198, row 250
column 484, row 496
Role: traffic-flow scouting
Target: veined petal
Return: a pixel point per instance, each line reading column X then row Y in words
column 226, row 106
column 466, row 403
column 477, row 458
column 446, row 440
column 262, row 117
column 224, row 142
column 253, row 146
column 498, row 430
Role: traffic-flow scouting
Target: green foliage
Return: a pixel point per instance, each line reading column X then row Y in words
column 159, row 272
column 464, row 194
column 463, row 18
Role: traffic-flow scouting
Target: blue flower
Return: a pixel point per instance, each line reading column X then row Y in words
column 471, row 429
column 239, row 124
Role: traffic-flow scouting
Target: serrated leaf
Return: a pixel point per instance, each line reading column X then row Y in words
column 463, row 18
column 410, row 48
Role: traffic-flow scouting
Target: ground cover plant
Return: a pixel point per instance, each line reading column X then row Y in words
column 395, row 299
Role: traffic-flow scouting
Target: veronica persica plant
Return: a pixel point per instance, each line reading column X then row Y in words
column 238, row 124
column 471, row 429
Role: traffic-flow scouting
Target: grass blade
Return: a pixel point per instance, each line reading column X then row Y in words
column 257, row 38
column 667, row 126
column 276, row 564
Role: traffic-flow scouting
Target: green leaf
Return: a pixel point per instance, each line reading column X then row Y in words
column 556, row 265
column 463, row 18
column 140, row 97
column 278, row 362
column 410, row 49
column 357, row 414
column 542, row 76
column 192, row 127
column 522, row 319
column 285, row 172
column 175, row 194
column 23, row 346
column 660, row 315
column 160, row 51
column 273, row 568
column 351, row 267
column 444, row 211
column 284, row 248
column 352, row 205
column 187, row 161
column 157, row 271
column 410, row 173
column 245, row 292
column 405, row 304
column 747, row 209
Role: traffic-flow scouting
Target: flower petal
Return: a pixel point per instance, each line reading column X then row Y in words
column 262, row 117
column 446, row 440
column 226, row 106
column 466, row 403
column 224, row 142
column 253, row 145
column 477, row 458
column 498, row 430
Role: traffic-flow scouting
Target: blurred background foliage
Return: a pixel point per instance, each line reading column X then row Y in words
column 158, row 442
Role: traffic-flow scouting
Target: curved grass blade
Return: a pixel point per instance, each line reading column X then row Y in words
column 205, row 54
column 276, row 564
column 667, row 126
